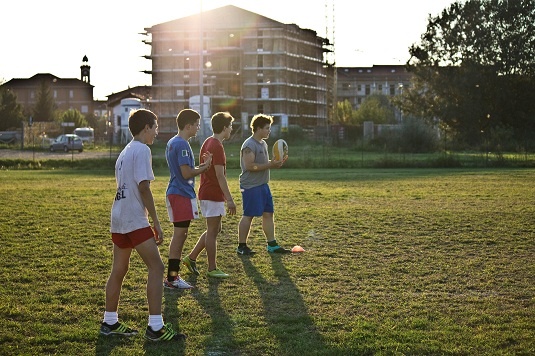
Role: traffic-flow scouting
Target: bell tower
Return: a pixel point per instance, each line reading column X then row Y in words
column 84, row 68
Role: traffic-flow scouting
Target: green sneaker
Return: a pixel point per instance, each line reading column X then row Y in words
column 164, row 334
column 117, row 329
column 217, row 273
column 192, row 265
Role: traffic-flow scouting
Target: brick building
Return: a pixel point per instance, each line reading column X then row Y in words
column 67, row 93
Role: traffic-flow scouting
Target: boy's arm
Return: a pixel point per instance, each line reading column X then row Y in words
column 223, row 184
column 188, row 172
column 148, row 201
column 248, row 158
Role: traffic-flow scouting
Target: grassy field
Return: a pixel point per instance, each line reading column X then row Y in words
column 397, row 262
column 302, row 155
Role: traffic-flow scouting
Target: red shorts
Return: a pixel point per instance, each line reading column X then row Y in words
column 180, row 208
column 132, row 239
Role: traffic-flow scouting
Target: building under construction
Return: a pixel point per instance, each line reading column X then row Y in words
column 238, row 61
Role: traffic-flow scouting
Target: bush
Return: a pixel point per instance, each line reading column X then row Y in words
column 416, row 136
column 413, row 136
column 295, row 133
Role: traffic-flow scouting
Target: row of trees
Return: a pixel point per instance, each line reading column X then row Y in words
column 474, row 70
column 376, row 107
column 473, row 75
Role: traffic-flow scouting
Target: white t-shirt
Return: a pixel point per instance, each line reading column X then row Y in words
column 133, row 166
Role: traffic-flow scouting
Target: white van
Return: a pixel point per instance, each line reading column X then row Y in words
column 87, row 134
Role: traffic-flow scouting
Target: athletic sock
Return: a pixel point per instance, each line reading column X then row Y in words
column 242, row 244
column 272, row 243
column 111, row 318
column 156, row 322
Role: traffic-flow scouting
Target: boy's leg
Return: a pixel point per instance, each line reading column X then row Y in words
column 199, row 246
column 148, row 251
column 243, row 228
column 213, row 225
column 268, row 226
column 173, row 279
column 121, row 261
column 190, row 261
column 249, row 203
column 156, row 331
column 177, row 242
column 243, row 233
column 181, row 211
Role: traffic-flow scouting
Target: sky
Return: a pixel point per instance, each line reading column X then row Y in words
column 53, row 36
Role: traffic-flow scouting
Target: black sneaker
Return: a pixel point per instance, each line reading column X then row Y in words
column 245, row 250
column 117, row 329
column 164, row 334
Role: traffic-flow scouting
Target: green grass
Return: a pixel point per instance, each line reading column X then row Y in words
column 406, row 261
column 304, row 155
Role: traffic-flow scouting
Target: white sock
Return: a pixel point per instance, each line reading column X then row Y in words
column 110, row 318
column 156, row 322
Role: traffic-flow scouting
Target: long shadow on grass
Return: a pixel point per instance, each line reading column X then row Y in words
column 170, row 315
column 106, row 344
column 285, row 311
column 220, row 338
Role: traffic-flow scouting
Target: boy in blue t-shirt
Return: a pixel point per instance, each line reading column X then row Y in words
column 180, row 196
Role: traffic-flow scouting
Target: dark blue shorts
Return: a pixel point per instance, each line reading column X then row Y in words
column 257, row 201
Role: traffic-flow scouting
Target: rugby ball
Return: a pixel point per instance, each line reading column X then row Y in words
column 280, row 150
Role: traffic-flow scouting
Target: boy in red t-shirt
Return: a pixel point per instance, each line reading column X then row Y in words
column 213, row 193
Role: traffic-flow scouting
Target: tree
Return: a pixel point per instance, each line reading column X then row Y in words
column 474, row 68
column 92, row 120
column 45, row 107
column 345, row 113
column 73, row 115
column 376, row 108
column 11, row 114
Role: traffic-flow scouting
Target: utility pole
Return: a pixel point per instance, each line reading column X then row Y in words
column 330, row 60
column 201, row 77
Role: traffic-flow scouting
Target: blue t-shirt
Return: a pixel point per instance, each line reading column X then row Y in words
column 177, row 153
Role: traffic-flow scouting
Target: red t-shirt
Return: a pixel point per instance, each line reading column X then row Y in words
column 209, row 188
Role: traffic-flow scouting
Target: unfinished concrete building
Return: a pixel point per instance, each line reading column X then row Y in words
column 235, row 60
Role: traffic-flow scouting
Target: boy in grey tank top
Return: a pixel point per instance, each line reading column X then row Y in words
column 254, row 178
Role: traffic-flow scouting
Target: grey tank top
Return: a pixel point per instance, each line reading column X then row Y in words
column 250, row 179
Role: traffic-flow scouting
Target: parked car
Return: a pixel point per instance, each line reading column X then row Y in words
column 68, row 142
column 10, row 137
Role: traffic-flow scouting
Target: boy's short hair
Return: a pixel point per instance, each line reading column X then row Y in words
column 186, row 116
column 259, row 121
column 220, row 120
column 138, row 119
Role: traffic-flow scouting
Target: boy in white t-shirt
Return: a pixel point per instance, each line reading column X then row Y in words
column 130, row 229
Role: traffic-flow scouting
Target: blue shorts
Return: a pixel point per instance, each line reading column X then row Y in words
column 257, row 201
